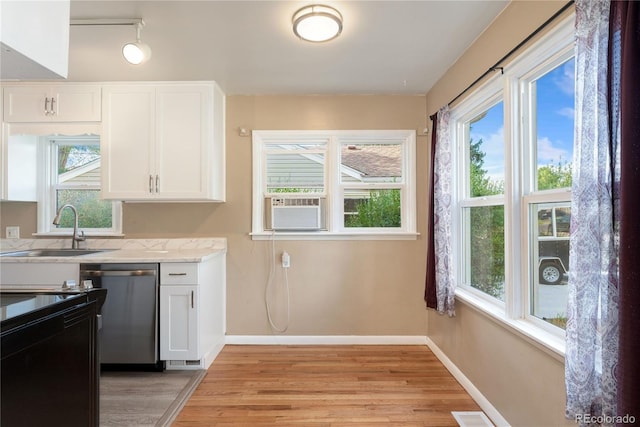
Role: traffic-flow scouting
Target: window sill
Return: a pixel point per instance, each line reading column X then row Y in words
column 330, row 235
column 550, row 343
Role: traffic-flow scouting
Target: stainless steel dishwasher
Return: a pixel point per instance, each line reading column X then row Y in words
column 129, row 336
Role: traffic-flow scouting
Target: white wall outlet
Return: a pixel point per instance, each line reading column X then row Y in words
column 13, row 232
column 286, row 260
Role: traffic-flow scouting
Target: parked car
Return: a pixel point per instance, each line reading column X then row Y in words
column 553, row 244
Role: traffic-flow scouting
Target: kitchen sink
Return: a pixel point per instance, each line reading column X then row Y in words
column 53, row 252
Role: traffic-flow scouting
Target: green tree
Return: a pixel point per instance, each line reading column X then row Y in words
column 554, row 176
column 486, row 226
column 381, row 209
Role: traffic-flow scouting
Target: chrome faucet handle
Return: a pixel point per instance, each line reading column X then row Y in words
column 80, row 237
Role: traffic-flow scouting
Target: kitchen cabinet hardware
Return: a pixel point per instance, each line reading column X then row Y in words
column 46, row 106
column 150, row 183
column 192, row 305
column 177, row 274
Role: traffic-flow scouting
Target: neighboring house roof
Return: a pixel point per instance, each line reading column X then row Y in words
column 89, row 172
column 374, row 160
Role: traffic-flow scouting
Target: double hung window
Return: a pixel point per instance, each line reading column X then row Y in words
column 513, row 156
column 73, row 177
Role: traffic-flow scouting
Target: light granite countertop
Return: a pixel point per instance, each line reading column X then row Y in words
column 119, row 250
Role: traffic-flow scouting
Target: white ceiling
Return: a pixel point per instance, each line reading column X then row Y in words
column 248, row 47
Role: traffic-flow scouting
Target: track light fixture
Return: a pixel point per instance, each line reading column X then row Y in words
column 135, row 53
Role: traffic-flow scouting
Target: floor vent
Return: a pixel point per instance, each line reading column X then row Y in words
column 472, row 419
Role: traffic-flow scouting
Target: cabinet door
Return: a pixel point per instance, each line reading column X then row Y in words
column 184, row 137
column 179, row 323
column 74, row 103
column 27, row 104
column 57, row 103
column 127, row 143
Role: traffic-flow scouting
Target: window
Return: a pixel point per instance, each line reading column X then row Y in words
column 327, row 184
column 73, row 177
column 514, row 147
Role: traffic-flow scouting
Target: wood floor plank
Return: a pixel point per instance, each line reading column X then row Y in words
column 326, row 386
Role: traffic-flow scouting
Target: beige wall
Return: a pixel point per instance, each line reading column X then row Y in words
column 337, row 287
column 523, row 382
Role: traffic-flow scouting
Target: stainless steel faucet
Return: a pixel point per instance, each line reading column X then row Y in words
column 75, row 238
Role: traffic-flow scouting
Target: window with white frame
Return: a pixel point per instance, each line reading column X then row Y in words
column 72, row 176
column 316, row 184
column 514, row 149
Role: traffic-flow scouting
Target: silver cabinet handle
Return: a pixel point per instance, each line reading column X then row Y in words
column 46, row 106
column 192, row 306
column 157, row 183
column 177, row 274
column 150, row 184
column 53, row 111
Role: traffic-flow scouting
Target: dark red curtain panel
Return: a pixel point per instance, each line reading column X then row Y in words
column 430, row 285
column 625, row 17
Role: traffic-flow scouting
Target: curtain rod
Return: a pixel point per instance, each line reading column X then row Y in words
column 496, row 66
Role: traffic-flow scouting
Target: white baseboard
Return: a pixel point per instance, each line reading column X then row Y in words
column 482, row 401
column 326, row 340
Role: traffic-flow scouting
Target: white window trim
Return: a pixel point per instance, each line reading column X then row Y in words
column 46, row 201
column 513, row 313
column 334, row 188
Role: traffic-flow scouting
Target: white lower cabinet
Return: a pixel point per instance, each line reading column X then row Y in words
column 192, row 312
column 179, row 322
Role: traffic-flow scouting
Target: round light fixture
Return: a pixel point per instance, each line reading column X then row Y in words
column 317, row 23
column 136, row 53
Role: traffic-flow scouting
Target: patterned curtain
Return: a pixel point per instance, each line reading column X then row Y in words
column 592, row 308
column 440, row 279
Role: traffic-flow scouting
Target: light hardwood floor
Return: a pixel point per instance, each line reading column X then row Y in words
column 326, row 386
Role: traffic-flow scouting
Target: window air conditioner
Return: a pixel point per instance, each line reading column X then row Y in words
column 295, row 213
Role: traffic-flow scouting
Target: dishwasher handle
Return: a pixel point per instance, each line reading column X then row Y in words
column 106, row 273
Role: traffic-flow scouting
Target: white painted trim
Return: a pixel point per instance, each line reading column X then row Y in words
column 482, row 401
column 326, row 339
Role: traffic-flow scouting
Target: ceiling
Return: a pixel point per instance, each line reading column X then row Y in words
column 248, row 47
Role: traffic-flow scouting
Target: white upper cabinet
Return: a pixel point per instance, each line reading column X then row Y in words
column 41, row 103
column 163, row 141
column 34, row 39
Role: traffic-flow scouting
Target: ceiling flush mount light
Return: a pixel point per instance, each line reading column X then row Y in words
column 317, row 23
column 137, row 53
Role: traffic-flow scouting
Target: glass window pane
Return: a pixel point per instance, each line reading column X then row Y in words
column 295, row 173
column 371, row 163
column 372, row 208
column 550, row 262
column 486, row 152
column 92, row 212
column 76, row 158
column 554, row 113
column 485, row 249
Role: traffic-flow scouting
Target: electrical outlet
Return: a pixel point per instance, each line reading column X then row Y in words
column 13, row 232
column 286, row 260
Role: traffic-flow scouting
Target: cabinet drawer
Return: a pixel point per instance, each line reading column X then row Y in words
column 178, row 274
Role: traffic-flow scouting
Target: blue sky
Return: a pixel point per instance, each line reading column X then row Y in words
column 555, row 121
